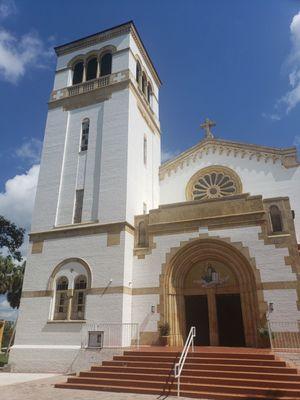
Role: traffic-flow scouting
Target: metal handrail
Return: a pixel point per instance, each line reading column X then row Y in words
column 179, row 366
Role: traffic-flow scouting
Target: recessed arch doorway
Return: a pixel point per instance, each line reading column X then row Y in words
column 210, row 284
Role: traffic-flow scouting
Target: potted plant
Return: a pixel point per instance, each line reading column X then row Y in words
column 164, row 333
column 264, row 337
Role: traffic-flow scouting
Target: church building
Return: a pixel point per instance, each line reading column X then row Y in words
column 122, row 244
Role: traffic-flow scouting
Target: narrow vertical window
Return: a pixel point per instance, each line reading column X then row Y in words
column 142, row 240
column 276, row 219
column 85, row 127
column 145, row 150
column 144, row 208
column 62, row 300
column 144, row 84
column 105, row 65
column 78, row 73
column 149, row 93
column 78, row 206
column 138, row 72
column 78, row 304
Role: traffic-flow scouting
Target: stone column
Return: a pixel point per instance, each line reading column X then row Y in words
column 212, row 315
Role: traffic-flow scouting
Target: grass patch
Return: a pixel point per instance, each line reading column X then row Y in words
column 3, row 359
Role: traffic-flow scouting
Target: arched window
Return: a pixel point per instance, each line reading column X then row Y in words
column 149, row 93
column 142, row 239
column 85, row 128
column 79, row 296
column 144, row 84
column 138, row 73
column 61, row 299
column 78, row 73
column 91, row 69
column 276, row 219
column 105, row 65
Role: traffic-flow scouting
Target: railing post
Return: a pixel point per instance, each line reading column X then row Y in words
column 270, row 333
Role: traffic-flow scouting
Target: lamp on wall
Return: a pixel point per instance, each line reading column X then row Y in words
column 152, row 309
column 270, row 308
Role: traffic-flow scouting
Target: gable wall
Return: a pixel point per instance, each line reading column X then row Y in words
column 258, row 178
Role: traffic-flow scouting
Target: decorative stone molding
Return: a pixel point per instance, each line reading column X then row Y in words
column 105, row 35
column 98, row 291
column 81, row 230
column 67, row 261
column 113, row 239
column 37, row 247
column 212, row 182
column 101, row 89
column 94, row 53
column 287, row 157
column 232, row 211
column 57, row 96
column 235, row 256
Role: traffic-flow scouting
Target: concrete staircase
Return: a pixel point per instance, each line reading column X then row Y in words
column 209, row 373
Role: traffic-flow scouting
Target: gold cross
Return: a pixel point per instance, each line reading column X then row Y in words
column 207, row 124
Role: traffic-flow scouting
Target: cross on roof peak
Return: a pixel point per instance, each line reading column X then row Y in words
column 207, row 124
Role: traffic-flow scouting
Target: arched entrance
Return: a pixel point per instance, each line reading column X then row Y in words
column 210, row 284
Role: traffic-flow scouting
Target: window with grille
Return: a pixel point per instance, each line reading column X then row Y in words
column 85, row 128
column 78, row 206
column 145, row 150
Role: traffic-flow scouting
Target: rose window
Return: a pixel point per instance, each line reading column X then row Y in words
column 213, row 185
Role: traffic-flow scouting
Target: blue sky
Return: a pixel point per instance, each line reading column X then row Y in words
column 235, row 61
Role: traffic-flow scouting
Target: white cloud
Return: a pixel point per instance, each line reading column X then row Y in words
column 16, row 203
column 18, row 54
column 30, row 151
column 168, row 154
column 7, row 8
column 3, row 302
column 292, row 65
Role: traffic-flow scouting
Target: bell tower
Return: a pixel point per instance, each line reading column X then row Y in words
column 102, row 143
column 99, row 168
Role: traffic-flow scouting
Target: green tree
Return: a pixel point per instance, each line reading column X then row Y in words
column 11, row 273
column 11, row 237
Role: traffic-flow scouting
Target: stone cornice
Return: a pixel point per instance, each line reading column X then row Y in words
column 100, row 89
column 99, row 37
column 80, row 230
column 287, row 156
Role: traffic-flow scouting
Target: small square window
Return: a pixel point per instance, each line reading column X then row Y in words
column 96, row 339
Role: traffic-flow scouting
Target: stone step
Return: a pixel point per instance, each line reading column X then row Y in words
column 292, row 377
column 194, row 387
column 208, row 354
column 226, row 367
column 168, row 378
column 200, row 395
column 232, row 361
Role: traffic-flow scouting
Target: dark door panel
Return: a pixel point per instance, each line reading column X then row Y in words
column 230, row 320
column 196, row 314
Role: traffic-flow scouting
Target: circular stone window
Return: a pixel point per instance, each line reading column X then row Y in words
column 213, row 182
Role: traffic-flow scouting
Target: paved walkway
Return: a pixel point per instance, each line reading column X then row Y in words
column 43, row 389
column 8, row 378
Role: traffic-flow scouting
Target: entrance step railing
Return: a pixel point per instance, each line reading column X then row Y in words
column 179, row 366
column 284, row 335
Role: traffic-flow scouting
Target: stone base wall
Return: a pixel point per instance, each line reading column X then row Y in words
column 65, row 361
